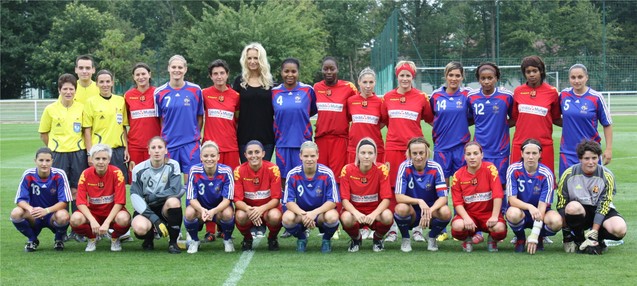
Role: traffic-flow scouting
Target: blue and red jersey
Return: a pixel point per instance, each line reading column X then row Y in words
column 490, row 115
column 43, row 193
column 428, row 185
column 292, row 111
column 178, row 110
column 530, row 188
column 311, row 193
column 209, row 191
column 451, row 118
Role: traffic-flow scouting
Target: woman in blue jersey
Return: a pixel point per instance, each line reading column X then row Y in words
column 582, row 109
column 208, row 197
column 294, row 103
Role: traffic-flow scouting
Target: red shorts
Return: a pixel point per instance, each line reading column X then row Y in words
column 481, row 221
column 231, row 159
column 394, row 158
column 548, row 156
column 100, row 217
column 332, row 153
column 138, row 155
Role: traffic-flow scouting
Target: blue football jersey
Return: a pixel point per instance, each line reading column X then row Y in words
column 209, row 191
column 450, row 123
column 428, row 185
column 310, row 194
column 531, row 189
column 44, row 193
column 178, row 110
column 292, row 111
column 491, row 114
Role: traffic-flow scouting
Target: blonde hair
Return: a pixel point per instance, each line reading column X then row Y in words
column 209, row 144
column 265, row 77
column 410, row 63
column 178, row 58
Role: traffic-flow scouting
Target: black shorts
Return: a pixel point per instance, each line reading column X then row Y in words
column 156, row 209
column 73, row 163
column 590, row 215
column 117, row 160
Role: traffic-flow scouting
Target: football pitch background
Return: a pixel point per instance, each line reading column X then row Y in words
column 211, row 266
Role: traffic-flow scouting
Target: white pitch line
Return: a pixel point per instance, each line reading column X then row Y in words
column 241, row 265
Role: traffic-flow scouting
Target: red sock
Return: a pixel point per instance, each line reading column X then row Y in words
column 354, row 232
column 245, row 230
column 85, row 230
column 211, row 227
column 460, row 235
column 274, row 230
column 118, row 230
column 380, row 230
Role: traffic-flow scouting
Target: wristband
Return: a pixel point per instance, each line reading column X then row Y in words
column 47, row 210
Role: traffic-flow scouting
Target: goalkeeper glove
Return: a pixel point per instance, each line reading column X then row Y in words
column 591, row 239
column 161, row 228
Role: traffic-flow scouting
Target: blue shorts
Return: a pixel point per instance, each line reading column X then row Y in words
column 450, row 160
column 186, row 155
column 43, row 222
column 287, row 158
column 502, row 164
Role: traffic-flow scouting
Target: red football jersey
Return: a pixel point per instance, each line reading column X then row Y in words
column 100, row 194
column 534, row 110
column 331, row 102
column 402, row 114
column 476, row 191
column 220, row 123
column 365, row 115
column 257, row 188
column 365, row 191
column 142, row 118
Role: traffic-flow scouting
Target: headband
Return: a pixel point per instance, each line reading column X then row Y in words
column 405, row 67
column 255, row 142
column 366, row 142
column 486, row 67
column 531, row 144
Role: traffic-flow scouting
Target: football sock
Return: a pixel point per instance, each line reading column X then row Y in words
column 329, row 229
column 60, row 230
column 547, row 231
column 174, row 218
column 192, row 227
column 245, row 230
column 85, row 230
column 227, row 227
column 211, row 227
column 403, row 222
column 24, row 227
column 354, row 231
column 437, row 226
column 274, row 230
column 296, row 230
column 380, row 230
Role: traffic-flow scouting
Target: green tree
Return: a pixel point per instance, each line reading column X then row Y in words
column 119, row 54
column 285, row 29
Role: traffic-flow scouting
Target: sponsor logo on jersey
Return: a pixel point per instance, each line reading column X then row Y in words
column 102, row 200
column 364, row 118
column 218, row 113
column 258, row 195
column 533, row 109
column 365, row 198
column 328, row 106
column 479, row 197
column 143, row 113
column 404, row 114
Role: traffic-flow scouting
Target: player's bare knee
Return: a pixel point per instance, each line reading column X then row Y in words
column 172, row 203
column 61, row 217
column 122, row 218
column 402, row 209
column 17, row 213
column 514, row 215
column 77, row 219
column 499, row 227
column 331, row 216
column 457, row 225
column 289, row 217
column 386, row 217
column 443, row 213
column 191, row 213
column 574, row 208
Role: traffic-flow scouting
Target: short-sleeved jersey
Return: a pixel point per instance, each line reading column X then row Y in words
column 43, row 193
column 365, row 191
column 530, row 188
column 142, row 117
column 257, row 188
column 450, row 121
column 331, row 102
column 82, row 94
column 596, row 190
column 209, row 191
column 476, row 191
column 101, row 193
column 220, row 124
column 256, row 114
column 292, row 111
column 580, row 117
column 64, row 126
column 534, row 110
column 365, row 115
column 107, row 118
column 428, row 185
column 178, row 110
column 402, row 114
column 311, row 193
column 490, row 115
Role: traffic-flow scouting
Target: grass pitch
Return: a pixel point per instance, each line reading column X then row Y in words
column 211, row 266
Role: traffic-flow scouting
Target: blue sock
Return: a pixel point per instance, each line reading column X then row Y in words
column 297, row 230
column 227, row 227
column 60, row 230
column 329, row 230
column 546, row 231
column 518, row 229
column 24, row 227
column 403, row 223
column 192, row 227
column 437, row 226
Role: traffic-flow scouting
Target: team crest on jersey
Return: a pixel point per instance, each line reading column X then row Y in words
column 328, row 92
column 142, row 98
column 536, row 189
column 584, row 108
column 187, row 101
column 100, row 185
column 496, row 109
column 403, row 99
column 364, row 180
column 120, row 118
column 596, row 189
column 164, row 179
column 256, row 181
column 532, row 93
column 318, row 192
column 297, row 99
column 221, row 98
column 364, row 104
column 458, row 104
column 474, row 181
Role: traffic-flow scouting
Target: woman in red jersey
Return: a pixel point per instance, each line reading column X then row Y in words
column 366, row 195
column 332, row 125
column 477, row 198
column 536, row 108
column 364, row 111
